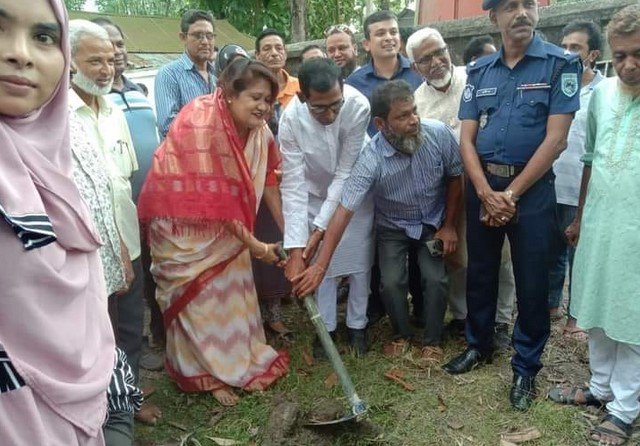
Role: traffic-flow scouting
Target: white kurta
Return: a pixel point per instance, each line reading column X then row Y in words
column 442, row 106
column 316, row 161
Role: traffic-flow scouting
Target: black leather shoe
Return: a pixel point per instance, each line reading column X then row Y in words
column 467, row 361
column 523, row 391
column 357, row 340
column 318, row 349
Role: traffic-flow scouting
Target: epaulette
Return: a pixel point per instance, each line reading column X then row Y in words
column 482, row 62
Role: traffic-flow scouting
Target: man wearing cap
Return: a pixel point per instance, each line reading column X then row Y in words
column 516, row 111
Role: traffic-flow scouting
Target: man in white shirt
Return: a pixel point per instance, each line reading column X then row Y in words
column 584, row 38
column 438, row 97
column 321, row 134
column 92, row 64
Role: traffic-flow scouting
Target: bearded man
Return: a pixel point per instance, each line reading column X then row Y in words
column 414, row 170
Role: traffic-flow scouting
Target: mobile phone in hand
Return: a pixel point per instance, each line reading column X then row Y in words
column 435, row 247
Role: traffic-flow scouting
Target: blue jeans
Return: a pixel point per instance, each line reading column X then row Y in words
column 561, row 254
column 530, row 238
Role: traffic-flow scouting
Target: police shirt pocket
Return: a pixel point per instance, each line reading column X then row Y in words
column 487, row 104
column 533, row 106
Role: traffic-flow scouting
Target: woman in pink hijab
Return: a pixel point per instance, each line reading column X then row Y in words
column 56, row 344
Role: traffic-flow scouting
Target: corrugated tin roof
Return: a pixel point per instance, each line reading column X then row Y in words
column 151, row 34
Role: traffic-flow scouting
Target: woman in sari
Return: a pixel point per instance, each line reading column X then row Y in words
column 199, row 204
column 56, row 343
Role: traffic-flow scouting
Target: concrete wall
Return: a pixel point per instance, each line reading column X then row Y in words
column 458, row 32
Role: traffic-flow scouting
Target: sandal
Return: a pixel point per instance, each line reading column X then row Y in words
column 622, row 432
column 567, row 395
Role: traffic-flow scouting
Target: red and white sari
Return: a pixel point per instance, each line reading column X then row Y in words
column 202, row 177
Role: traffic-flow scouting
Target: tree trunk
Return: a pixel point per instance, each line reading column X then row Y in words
column 298, row 22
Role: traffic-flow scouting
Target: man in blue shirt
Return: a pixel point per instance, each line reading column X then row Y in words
column 516, row 110
column 189, row 76
column 382, row 42
column 414, row 171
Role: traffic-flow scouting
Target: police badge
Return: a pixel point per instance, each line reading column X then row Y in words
column 467, row 94
column 484, row 118
column 569, row 84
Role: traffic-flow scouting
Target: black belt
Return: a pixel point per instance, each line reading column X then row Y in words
column 502, row 170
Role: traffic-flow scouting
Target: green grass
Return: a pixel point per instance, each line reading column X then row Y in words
column 475, row 411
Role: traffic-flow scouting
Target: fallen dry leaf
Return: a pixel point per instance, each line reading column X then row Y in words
column 397, row 372
column 507, row 443
column 442, row 407
column 308, row 359
column 302, row 371
column 331, row 381
column 528, row 434
column 223, row 441
column 400, row 381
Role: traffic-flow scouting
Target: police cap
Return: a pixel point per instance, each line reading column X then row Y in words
column 490, row 4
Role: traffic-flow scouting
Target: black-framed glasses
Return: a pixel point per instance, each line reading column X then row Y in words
column 321, row 109
column 427, row 59
column 340, row 28
column 202, row 36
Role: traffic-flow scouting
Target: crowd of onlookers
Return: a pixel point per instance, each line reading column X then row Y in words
column 407, row 185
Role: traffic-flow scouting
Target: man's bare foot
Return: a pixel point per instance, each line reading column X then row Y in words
column 571, row 331
column 226, row 397
column 148, row 414
column 611, row 432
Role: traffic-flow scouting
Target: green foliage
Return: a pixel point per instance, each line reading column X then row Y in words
column 167, row 8
column 74, row 5
column 251, row 16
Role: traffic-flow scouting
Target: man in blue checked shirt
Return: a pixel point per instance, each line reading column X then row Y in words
column 414, row 170
column 516, row 110
column 192, row 74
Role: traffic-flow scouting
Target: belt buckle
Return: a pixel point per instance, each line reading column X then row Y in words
column 501, row 170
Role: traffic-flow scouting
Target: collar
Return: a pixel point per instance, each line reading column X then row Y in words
column 595, row 81
column 76, row 103
column 387, row 149
column 127, row 85
column 536, row 48
column 368, row 67
column 188, row 65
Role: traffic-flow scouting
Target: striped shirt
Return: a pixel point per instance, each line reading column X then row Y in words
column 9, row 378
column 178, row 83
column 33, row 230
column 409, row 190
column 122, row 394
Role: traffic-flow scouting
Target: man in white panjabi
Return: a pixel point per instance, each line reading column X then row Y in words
column 321, row 134
column 438, row 97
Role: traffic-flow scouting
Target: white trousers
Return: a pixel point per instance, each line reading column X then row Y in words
column 615, row 374
column 506, row 293
column 327, row 298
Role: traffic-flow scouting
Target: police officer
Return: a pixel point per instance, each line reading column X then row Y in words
column 516, row 110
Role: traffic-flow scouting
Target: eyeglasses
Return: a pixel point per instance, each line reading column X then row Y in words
column 341, row 28
column 426, row 60
column 202, row 36
column 321, row 109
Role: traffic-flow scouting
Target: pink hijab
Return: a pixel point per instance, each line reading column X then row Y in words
column 54, row 323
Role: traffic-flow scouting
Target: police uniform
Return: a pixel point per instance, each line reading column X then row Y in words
column 511, row 107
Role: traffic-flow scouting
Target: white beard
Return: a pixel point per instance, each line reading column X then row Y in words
column 87, row 85
column 442, row 82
